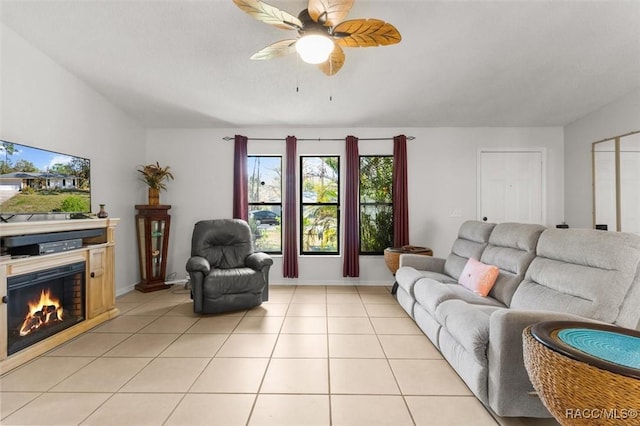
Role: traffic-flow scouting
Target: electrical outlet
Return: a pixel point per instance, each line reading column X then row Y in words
column 456, row 213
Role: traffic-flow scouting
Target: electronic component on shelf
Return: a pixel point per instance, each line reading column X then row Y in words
column 46, row 248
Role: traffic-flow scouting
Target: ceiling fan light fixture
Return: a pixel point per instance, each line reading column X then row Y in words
column 314, row 48
column 322, row 32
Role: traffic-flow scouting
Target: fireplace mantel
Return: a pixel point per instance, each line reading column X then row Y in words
column 98, row 255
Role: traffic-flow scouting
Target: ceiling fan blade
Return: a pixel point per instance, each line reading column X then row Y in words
column 335, row 62
column 329, row 12
column 275, row 50
column 269, row 14
column 366, row 33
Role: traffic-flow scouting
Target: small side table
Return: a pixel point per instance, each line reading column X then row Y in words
column 392, row 255
column 585, row 372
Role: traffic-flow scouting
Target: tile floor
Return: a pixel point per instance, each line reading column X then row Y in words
column 312, row 355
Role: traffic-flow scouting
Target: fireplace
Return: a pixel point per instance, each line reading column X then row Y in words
column 43, row 303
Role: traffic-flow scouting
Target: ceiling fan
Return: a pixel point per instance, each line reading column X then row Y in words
column 322, row 33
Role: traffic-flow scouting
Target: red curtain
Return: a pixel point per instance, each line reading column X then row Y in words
column 290, row 249
column 400, row 193
column 351, row 266
column 240, row 179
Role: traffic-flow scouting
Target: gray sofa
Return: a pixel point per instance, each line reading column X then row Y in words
column 545, row 274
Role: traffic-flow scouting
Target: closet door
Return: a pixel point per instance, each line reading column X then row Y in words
column 604, row 184
column 511, row 186
column 630, row 183
column 616, row 183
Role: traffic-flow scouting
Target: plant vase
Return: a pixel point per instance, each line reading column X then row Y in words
column 102, row 213
column 154, row 196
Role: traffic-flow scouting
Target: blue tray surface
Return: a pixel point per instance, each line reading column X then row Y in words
column 617, row 348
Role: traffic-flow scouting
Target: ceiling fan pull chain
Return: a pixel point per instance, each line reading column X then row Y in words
column 330, row 80
column 297, row 74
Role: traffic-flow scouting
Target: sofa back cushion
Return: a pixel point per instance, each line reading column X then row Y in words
column 582, row 272
column 225, row 243
column 472, row 240
column 512, row 247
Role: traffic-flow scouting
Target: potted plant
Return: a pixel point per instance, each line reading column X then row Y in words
column 155, row 176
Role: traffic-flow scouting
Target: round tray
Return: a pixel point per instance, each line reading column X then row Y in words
column 604, row 346
column 571, row 381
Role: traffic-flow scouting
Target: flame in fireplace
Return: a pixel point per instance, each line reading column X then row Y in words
column 45, row 310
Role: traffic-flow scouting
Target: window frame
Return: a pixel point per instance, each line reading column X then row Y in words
column 361, row 204
column 266, row 204
column 303, row 204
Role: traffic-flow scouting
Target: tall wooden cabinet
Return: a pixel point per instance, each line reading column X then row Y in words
column 152, row 226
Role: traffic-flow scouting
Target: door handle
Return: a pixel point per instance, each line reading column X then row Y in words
column 484, row 219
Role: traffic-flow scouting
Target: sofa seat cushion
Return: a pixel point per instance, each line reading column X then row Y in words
column 468, row 325
column 232, row 281
column 429, row 293
column 407, row 277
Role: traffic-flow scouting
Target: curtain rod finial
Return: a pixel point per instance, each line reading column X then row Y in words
column 228, row 138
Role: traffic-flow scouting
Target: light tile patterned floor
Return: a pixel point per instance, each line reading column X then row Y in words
column 312, row 355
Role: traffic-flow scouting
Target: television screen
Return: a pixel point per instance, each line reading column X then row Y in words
column 34, row 180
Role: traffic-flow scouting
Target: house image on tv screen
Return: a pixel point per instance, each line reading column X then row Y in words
column 34, row 180
column 17, row 181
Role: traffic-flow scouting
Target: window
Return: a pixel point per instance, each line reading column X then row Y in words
column 265, row 202
column 319, row 208
column 376, row 204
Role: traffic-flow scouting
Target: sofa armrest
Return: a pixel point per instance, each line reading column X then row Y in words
column 510, row 391
column 258, row 260
column 261, row 262
column 422, row 263
column 198, row 264
column 197, row 267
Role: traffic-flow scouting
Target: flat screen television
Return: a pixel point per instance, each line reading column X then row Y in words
column 38, row 181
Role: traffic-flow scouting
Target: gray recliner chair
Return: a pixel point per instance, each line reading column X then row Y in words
column 226, row 274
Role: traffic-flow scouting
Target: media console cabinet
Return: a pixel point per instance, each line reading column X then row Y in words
column 94, row 294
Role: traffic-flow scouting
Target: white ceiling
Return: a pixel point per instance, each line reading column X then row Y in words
column 180, row 63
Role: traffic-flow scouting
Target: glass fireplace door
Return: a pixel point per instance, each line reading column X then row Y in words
column 43, row 303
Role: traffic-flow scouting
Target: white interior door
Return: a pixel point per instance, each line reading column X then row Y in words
column 604, row 169
column 511, row 186
column 630, row 184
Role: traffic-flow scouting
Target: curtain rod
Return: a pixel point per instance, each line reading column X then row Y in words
column 229, row 138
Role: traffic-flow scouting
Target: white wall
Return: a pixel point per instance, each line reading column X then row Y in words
column 442, row 177
column 44, row 106
column 617, row 118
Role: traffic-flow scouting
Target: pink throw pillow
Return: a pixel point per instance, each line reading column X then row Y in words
column 478, row 277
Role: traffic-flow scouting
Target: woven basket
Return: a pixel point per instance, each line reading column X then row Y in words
column 392, row 255
column 576, row 393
